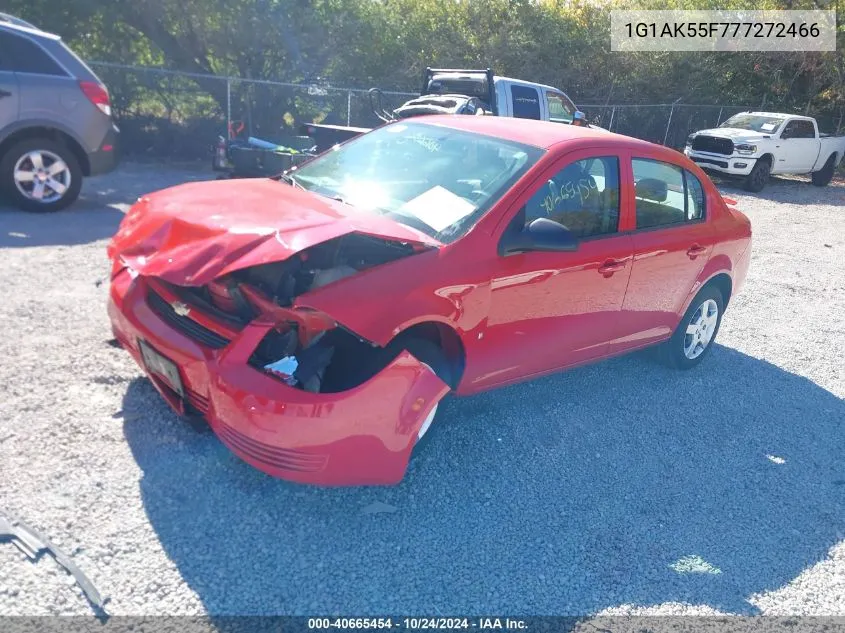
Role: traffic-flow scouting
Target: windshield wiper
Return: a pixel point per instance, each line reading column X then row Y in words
column 293, row 182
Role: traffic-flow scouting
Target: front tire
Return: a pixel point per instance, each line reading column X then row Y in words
column 40, row 175
column 759, row 176
column 695, row 334
column 431, row 355
column 822, row 177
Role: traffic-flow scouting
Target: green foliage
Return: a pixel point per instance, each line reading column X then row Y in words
column 388, row 43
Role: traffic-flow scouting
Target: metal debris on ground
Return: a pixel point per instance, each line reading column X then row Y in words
column 34, row 545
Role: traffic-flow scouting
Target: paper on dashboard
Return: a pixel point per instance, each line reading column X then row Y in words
column 438, row 207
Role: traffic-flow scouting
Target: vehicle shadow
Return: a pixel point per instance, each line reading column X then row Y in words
column 620, row 483
column 75, row 225
column 796, row 189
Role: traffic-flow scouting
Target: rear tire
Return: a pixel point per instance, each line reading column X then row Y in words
column 40, row 175
column 759, row 176
column 695, row 334
column 822, row 177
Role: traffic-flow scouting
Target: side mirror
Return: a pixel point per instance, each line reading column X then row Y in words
column 541, row 235
column 786, row 134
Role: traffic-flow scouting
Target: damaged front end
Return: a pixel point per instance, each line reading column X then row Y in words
column 288, row 389
column 304, row 348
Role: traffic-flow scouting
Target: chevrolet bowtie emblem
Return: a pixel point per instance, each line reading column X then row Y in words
column 182, row 309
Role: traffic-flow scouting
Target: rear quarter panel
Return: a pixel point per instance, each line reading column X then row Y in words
column 731, row 248
column 58, row 102
column 830, row 145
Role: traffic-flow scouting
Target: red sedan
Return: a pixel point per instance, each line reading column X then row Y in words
column 316, row 320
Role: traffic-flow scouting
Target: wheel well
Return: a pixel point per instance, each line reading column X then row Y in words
column 723, row 284
column 447, row 339
column 54, row 135
column 768, row 158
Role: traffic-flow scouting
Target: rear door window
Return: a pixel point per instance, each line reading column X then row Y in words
column 526, row 102
column 666, row 194
column 805, row 129
column 800, row 129
column 22, row 55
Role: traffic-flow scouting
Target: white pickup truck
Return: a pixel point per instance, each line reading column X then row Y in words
column 462, row 91
column 757, row 144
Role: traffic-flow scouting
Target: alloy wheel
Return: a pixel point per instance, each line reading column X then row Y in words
column 701, row 328
column 42, row 176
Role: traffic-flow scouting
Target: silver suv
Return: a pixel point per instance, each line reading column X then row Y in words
column 55, row 119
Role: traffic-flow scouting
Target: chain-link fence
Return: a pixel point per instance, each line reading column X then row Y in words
column 175, row 115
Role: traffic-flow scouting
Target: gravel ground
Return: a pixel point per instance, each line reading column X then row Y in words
column 621, row 487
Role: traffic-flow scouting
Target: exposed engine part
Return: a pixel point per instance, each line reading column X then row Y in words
column 284, row 368
column 328, row 275
column 232, row 298
column 313, row 362
column 335, row 360
column 275, row 346
column 320, row 265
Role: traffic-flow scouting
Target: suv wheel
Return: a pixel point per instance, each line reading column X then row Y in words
column 40, row 175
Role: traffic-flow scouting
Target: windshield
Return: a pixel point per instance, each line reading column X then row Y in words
column 755, row 122
column 437, row 180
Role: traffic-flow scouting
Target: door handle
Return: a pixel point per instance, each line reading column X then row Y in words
column 5, row 93
column 611, row 266
column 695, row 250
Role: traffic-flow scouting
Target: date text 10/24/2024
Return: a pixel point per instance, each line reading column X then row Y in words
column 418, row 623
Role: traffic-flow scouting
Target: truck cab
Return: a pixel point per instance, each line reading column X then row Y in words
column 463, row 91
column 504, row 96
column 755, row 145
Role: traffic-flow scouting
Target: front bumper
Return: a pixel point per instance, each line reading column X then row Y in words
column 107, row 156
column 736, row 165
column 357, row 437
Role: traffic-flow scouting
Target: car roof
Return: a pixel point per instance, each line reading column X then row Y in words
column 542, row 134
column 779, row 115
column 12, row 23
column 523, row 82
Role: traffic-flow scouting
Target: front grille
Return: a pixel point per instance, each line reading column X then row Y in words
column 285, row 458
column 204, row 300
column 185, row 325
column 713, row 144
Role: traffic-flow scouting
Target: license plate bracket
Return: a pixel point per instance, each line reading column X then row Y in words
column 164, row 368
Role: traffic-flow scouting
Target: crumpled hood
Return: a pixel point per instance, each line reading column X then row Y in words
column 192, row 233
column 737, row 135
